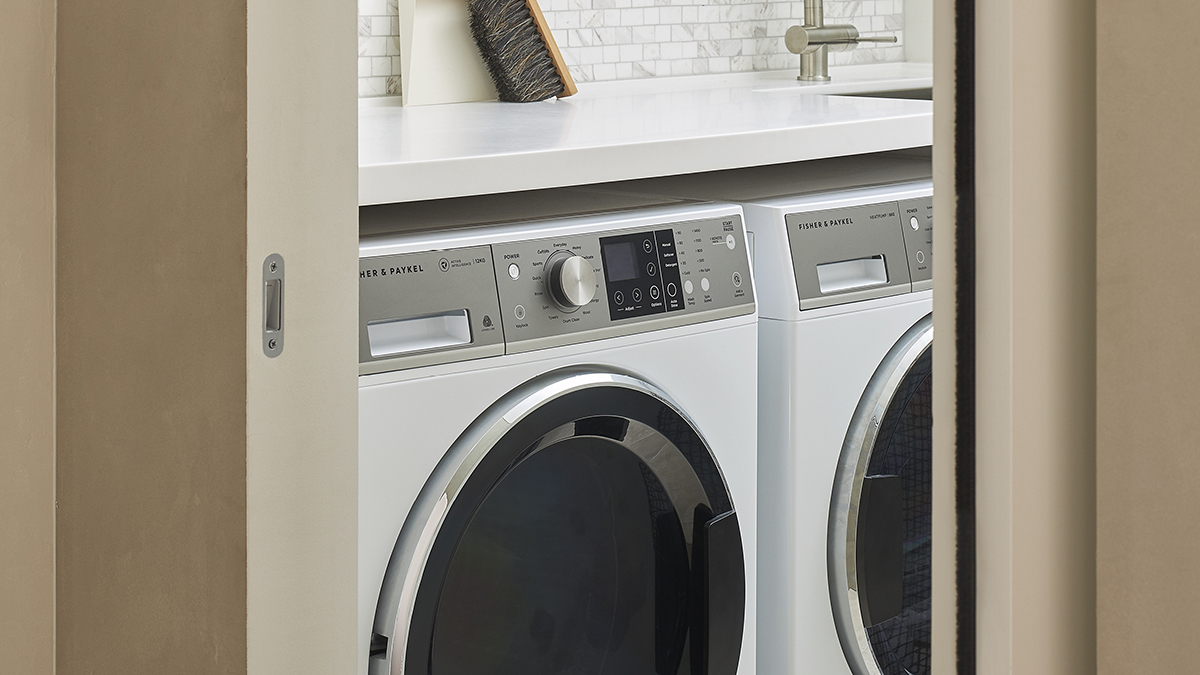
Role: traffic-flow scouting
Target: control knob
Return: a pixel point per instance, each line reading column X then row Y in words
column 570, row 280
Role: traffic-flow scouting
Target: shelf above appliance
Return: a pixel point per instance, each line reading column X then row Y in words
column 636, row 129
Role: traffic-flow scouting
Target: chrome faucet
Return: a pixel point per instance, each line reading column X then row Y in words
column 814, row 40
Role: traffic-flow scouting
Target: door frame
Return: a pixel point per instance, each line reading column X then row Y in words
column 1015, row 313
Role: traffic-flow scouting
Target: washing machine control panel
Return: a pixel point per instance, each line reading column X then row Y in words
column 418, row 309
column 600, row 284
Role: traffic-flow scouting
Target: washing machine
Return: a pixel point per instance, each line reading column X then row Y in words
column 557, row 454
column 843, row 263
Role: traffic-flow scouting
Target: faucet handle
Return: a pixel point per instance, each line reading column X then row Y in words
column 808, row 39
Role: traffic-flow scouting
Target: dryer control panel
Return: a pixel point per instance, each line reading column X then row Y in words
column 514, row 296
column 861, row 252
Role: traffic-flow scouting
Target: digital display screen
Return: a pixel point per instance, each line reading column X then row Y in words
column 620, row 261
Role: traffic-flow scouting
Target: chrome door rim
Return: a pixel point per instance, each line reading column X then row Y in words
column 847, row 492
column 407, row 565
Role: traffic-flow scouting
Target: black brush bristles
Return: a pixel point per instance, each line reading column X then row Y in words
column 514, row 51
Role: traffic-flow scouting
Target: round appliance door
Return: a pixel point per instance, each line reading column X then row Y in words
column 880, row 517
column 581, row 525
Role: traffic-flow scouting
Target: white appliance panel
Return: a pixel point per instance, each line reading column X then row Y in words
column 801, row 432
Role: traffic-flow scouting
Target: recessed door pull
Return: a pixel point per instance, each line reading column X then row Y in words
column 272, row 326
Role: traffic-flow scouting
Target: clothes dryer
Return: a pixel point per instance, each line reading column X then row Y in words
column 845, row 431
column 843, row 263
column 557, row 452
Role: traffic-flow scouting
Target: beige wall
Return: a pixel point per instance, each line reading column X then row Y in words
column 1036, row 347
column 207, row 494
column 151, row 337
column 1148, row 341
column 27, row 336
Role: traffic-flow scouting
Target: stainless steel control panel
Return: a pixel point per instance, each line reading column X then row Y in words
column 418, row 309
column 641, row 279
column 861, row 252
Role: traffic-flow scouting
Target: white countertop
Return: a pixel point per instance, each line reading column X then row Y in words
column 635, row 129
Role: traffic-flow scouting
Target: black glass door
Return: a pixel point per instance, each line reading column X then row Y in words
column 595, row 536
column 556, row 572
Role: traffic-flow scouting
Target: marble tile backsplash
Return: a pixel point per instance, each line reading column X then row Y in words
column 623, row 39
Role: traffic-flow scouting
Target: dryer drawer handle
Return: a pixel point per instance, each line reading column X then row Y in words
column 848, row 275
column 717, row 627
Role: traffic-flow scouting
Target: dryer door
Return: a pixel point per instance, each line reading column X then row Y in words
column 880, row 518
column 581, row 525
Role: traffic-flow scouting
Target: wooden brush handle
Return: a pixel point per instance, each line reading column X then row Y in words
column 563, row 73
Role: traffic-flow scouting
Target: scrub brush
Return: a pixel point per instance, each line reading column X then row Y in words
column 519, row 51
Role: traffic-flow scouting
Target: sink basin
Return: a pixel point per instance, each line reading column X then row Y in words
column 913, row 81
column 916, row 94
